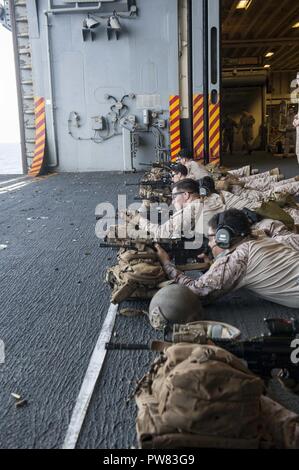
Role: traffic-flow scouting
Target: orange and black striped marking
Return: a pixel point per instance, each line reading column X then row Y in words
column 198, row 126
column 40, row 137
column 214, row 132
column 174, row 123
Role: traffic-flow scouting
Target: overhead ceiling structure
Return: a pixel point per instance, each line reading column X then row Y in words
column 260, row 34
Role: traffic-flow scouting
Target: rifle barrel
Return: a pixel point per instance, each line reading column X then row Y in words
column 127, row 347
column 108, row 245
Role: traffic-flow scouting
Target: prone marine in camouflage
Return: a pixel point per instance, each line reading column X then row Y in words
column 155, row 194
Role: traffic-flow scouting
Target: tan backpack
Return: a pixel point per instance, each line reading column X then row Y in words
column 138, row 274
column 199, row 396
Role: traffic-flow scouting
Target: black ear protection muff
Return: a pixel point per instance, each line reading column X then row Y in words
column 225, row 234
column 204, row 189
column 203, row 192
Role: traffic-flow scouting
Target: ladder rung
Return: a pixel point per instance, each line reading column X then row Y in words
column 25, row 51
column 23, row 35
column 28, row 97
column 26, row 67
column 30, row 141
column 29, row 111
column 22, row 19
column 27, row 82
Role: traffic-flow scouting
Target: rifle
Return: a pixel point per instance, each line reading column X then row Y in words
column 153, row 199
column 262, row 354
column 163, row 183
column 164, row 165
column 184, row 259
column 147, row 213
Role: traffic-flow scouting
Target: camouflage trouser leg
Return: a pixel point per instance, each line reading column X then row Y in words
column 251, row 194
column 228, row 143
column 289, row 141
column 290, row 188
column 239, row 202
column 260, row 184
column 287, row 181
column 243, row 171
column 254, row 177
column 268, row 187
column 247, row 140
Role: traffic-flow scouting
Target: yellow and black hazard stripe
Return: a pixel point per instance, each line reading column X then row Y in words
column 174, row 124
column 198, row 126
column 214, row 132
column 40, row 137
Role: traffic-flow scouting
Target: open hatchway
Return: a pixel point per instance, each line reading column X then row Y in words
column 259, row 69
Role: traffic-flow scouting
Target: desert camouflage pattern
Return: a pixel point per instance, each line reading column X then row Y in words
column 192, row 218
column 180, row 405
column 196, row 171
column 138, row 274
column 250, row 265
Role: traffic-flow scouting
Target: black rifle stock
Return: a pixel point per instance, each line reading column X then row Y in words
column 163, row 165
column 163, row 183
column 153, row 199
column 263, row 354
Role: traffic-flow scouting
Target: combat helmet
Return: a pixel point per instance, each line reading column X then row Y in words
column 174, row 304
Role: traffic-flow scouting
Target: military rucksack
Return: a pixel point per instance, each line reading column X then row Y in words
column 199, row 396
column 138, row 274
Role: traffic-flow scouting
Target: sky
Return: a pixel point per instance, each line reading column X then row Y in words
column 9, row 119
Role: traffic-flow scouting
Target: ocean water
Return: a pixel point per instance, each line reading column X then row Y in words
column 10, row 159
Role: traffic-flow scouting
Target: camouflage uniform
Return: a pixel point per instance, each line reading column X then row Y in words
column 289, row 239
column 251, row 194
column 243, row 171
column 254, row 177
column 228, row 127
column 278, row 232
column 246, row 124
column 262, row 183
column 276, row 189
column 196, row 171
column 238, row 202
column 185, row 219
column 290, row 133
column 267, row 183
column 251, row 265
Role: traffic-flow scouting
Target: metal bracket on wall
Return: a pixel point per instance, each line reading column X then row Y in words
column 125, row 7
